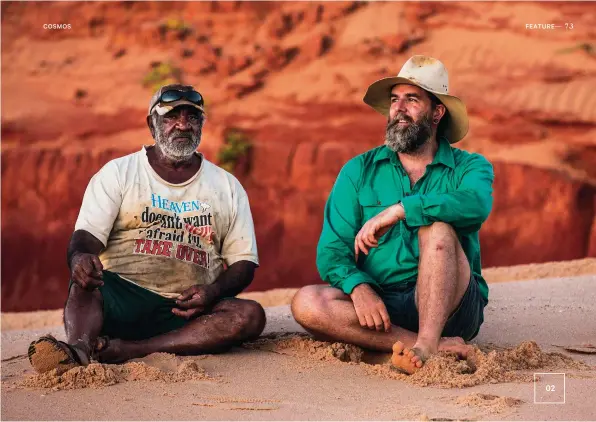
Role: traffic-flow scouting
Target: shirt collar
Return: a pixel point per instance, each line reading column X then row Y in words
column 384, row 154
column 443, row 156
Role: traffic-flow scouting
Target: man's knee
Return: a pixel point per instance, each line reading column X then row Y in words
column 438, row 236
column 251, row 319
column 308, row 303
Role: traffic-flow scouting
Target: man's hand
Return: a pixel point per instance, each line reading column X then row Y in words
column 86, row 270
column 376, row 227
column 195, row 300
column 370, row 309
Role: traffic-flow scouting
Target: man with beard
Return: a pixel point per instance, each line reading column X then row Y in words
column 399, row 244
column 163, row 243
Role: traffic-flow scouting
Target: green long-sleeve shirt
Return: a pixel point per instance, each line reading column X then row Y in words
column 455, row 189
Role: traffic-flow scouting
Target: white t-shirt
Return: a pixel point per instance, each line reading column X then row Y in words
column 167, row 237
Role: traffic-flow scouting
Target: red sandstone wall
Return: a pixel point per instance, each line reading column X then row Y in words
column 548, row 219
column 292, row 76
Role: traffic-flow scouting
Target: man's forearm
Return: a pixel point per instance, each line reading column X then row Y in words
column 465, row 208
column 83, row 242
column 461, row 209
column 234, row 279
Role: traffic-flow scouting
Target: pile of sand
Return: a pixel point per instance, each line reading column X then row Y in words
column 508, row 365
column 302, row 345
column 102, row 375
column 443, row 370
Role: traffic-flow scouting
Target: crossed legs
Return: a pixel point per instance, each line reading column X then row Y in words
column 443, row 277
column 229, row 323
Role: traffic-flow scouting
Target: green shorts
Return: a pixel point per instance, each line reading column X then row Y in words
column 464, row 322
column 131, row 312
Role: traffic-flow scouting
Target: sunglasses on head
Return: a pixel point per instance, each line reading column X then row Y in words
column 175, row 95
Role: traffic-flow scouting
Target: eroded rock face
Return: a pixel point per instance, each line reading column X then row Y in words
column 292, row 76
column 538, row 215
column 41, row 194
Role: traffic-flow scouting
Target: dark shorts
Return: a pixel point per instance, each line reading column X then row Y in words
column 464, row 322
column 131, row 312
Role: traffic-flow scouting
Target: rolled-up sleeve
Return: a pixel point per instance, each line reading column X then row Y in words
column 465, row 208
column 342, row 221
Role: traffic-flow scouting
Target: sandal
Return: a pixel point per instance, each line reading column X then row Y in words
column 47, row 354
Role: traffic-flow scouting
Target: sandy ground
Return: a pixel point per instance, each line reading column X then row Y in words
column 295, row 378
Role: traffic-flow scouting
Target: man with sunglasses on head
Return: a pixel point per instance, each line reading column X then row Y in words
column 163, row 243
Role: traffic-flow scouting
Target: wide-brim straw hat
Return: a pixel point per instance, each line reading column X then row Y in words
column 431, row 75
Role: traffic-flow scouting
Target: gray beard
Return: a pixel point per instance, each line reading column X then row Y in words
column 177, row 150
column 407, row 140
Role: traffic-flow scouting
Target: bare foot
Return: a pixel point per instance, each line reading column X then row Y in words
column 455, row 344
column 408, row 360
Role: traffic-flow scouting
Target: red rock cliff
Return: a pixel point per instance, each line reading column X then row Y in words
column 292, row 76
